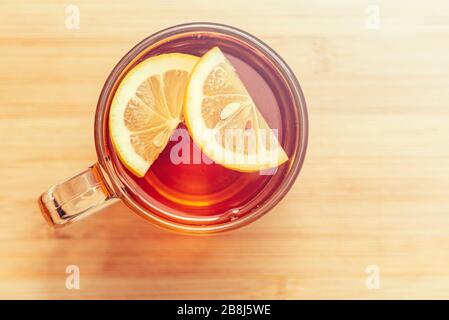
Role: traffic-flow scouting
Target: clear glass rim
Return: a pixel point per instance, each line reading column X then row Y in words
column 112, row 175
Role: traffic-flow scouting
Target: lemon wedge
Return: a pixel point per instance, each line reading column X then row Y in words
column 224, row 121
column 147, row 107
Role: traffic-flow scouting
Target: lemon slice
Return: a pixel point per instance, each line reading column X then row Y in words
column 224, row 121
column 147, row 107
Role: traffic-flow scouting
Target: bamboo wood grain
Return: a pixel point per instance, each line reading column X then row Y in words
column 374, row 189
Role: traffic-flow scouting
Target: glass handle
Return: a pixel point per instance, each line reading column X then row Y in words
column 76, row 198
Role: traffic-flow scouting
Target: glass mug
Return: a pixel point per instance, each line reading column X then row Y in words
column 107, row 181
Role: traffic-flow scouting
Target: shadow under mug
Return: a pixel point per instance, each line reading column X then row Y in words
column 101, row 184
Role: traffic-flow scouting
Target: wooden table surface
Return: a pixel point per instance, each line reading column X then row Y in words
column 373, row 194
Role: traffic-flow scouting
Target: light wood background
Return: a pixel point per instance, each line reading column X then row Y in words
column 374, row 189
